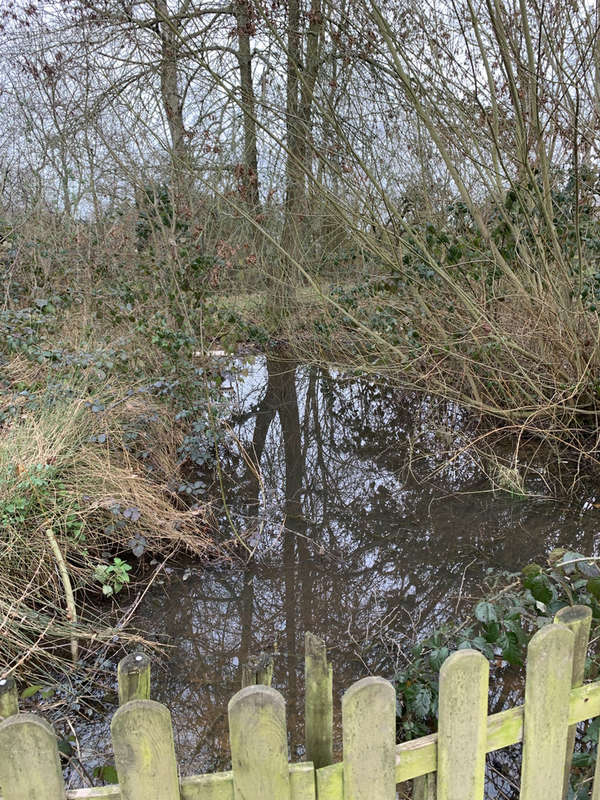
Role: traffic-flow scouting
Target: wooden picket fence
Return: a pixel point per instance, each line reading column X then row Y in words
column 447, row 765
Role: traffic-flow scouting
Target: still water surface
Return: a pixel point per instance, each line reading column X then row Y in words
column 364, row 529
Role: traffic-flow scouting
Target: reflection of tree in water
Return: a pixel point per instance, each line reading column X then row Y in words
column 353, row 546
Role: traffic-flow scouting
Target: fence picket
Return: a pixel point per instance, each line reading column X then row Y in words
column 258, row 736
column 318, row 702
column 133, row 675
column 545, row 725
column 144, row 752
column 330, row 782
column 29, row 762
column 9, row 699
column 462, row 728
column 424, row 787
column 448, row 765
column 578, row 620
column 218, row 786
column 369, row 740
column 302, row 781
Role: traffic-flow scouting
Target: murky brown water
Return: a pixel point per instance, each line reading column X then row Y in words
column 364, row 531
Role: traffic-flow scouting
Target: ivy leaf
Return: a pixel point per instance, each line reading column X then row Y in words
column 132, row 513
column 539, row 587
column 64, row 747
column 583, row 760
column 514, row 626
column 422, row 702
column 484, row 647
column 593, row 587
column 531, row 570
column 138, row 545
column 492, row 631
column 511, row 651
column 485, row 612
column 593, row 731
column 438, row 656
column 583, row 565
column 106, row 773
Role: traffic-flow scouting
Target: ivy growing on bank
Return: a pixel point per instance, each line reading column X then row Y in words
column 500, row 626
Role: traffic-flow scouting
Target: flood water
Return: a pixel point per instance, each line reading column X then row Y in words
column 364, row 529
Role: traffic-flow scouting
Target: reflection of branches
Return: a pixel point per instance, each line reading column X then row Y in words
column 367, row 553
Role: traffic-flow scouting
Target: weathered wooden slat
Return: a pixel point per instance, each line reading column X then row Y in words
column 144, row 752
column 415, row 758
column 9, row 698
column 218, row 786
column 258, row 671
column 419, row 756
column 545, row 727
column 318, row 702
column 29, row 761
column 133, row 676
column 330, row 782
column 369, row 740
column 259, row 754
column 215, row 786
column 424, row 788
column 462, row 727
column 302, row 781
column 97, row 793
column 578, row 620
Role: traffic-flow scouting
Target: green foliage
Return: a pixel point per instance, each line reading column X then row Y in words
column 500, row 627
column 107, row 773
column 113, row 576
column 31, row 494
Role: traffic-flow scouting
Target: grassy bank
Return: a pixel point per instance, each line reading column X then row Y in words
column 107, row 434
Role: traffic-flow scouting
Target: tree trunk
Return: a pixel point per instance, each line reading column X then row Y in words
column 172, row 102
column 248, row 176
column 299, row 101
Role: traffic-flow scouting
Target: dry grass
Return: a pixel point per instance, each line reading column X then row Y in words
column 71, row 469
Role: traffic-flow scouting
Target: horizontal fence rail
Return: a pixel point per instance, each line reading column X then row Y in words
column 447, row 765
